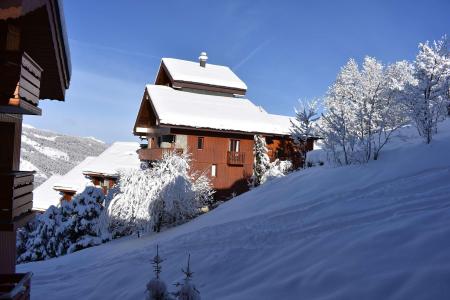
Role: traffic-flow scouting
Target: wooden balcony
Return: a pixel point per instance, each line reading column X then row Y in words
column 15, row 286
column 152, row 154
column 235, row 158
column 21, row 80
column 16, row 199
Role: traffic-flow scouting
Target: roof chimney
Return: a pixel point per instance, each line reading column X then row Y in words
column 203, row 58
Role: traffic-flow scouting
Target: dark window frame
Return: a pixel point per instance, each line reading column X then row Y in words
column 235, row 145
column 200, row 143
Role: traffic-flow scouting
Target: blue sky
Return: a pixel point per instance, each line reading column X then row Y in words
column 283, row 50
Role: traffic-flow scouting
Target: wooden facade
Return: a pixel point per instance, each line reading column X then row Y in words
column 34, row 64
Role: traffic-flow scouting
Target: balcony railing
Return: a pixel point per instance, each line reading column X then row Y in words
column 235, row 158
column 16, row 197
column 15, row 286
column 21, row 77
column 152, row 154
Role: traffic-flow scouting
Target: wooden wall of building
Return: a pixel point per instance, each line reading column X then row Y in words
column 229, row 178
column 7, row 252
column 10, row 134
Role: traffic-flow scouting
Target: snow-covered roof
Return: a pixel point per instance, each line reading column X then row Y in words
column 74, row 180
column 189, row 71
column 44, row 195
column 181, row 108
column 120, row 155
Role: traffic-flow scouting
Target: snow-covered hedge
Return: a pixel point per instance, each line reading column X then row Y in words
column 72, row 226
column 165, row 194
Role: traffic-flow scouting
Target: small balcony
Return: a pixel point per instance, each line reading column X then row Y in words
column 15, row 286
column 21, row 79
column 152, row 154
column 16, row 199
column 235, row 158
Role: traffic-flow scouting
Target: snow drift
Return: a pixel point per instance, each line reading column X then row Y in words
column 374, row 231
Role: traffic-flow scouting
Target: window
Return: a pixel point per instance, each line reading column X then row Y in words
column 200, row 142
column 166, row 139
column 234, row 145
column 213, row 170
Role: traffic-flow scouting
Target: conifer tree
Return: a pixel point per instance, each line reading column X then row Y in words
column 156, row 288
column 187, row 290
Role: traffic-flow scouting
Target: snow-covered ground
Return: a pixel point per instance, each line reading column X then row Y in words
column 375, row 231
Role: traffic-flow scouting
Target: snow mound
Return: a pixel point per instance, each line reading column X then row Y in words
column 373, row 231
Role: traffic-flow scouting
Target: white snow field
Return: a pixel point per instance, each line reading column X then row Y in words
column 375, row 231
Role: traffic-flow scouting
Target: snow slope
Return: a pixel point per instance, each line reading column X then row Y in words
column 51, row 153
column 375, row 231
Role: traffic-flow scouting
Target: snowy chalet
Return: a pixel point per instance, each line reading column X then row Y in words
column 201, row 109
column 34, row 64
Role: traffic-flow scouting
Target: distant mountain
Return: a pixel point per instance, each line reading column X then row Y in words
column 51, row 153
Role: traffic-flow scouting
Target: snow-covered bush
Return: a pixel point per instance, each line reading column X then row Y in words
column 277, row 168
column 59, row 230
column 428, row 96
column 165, row 194
column 316, row 157
column 261, row 160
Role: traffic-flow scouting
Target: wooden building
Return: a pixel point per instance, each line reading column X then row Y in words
column 34, row 64
column 103, row 170
column 201, row 109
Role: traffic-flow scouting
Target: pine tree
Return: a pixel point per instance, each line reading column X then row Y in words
column 156, row 288
column 187, row 290
column 261, row 161
column 60, row 230
column 303, row 127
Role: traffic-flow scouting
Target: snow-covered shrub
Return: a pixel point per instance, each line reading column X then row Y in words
column 165, row 194
column 156, row 287
column 187, row 289
column 59, row 230
column 261, row 160
column 277, row 168
column 428, row 95
column 316, row 157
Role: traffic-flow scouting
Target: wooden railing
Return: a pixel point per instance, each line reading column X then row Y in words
column 30, row 80
column 152, row 154
column 235, row 158
column 16, row 197
column 15, row 286
column 26, row 75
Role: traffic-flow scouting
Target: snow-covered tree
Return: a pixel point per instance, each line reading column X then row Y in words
column 165, row 194
column 187, row 290
column 303, row 127
column 363, row 108
column 65, row 229
column 156, row 288
column 261, row 159
column 428, row 95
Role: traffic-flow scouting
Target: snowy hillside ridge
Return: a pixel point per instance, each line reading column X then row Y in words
column 371, row 231
column 51, row 153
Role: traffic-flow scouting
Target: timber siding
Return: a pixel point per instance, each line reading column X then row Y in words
column 229, row 178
